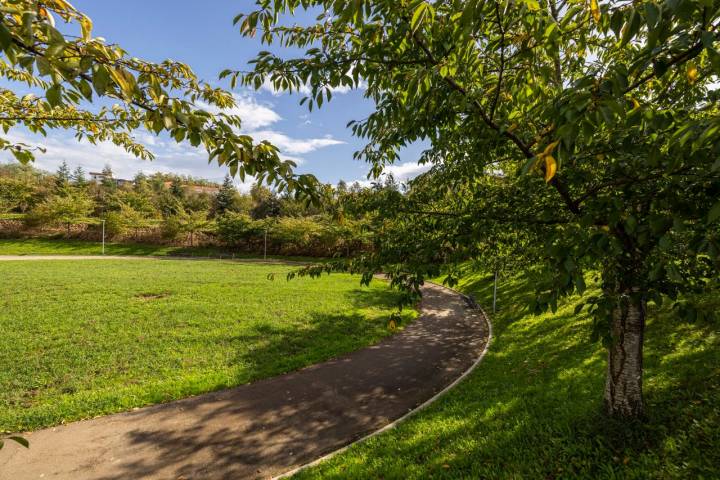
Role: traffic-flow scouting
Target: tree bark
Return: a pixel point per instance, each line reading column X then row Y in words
column 623, row 385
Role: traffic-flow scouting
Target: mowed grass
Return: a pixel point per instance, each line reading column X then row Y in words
column 91, row 337
column 62, row 246
column 533, row 407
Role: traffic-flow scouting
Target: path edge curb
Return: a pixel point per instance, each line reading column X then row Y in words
column 409, row 414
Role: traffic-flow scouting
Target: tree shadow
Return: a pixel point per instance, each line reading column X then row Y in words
column 533, row 409
column 273, row 424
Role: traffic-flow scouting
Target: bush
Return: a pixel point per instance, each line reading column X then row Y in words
column 296, row 235
column 70, row 209
column 238, row 229
column 125, row 219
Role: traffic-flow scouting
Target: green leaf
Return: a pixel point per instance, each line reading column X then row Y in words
column 714, row 213
column 43, row 65
column 20, row 440
column 5, row 37
column 419, row 15
column 652, row 14
column 101, row 79
column 53, row 95
column 85, row 89
column 631, row 28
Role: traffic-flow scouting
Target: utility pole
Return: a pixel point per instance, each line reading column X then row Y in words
column 103, row 236
column 265, row 250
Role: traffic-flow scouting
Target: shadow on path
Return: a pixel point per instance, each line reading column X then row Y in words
column 265, row 428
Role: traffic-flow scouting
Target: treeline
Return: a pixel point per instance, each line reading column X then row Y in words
column 170, row 209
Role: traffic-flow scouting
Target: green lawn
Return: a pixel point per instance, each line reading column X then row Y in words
column 532, row 408
column 60, row 246
column 91, row 337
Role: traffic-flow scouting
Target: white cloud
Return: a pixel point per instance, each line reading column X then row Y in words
column 253, row 114
column 406, row 170
column 256, row 117
column 268, row 86
column 401, row 172
column 63, row 147
column 295, row 145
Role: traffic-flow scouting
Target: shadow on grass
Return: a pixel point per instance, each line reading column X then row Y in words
column 533, row 408
column 281, row 421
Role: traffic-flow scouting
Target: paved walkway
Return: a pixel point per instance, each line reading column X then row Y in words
column 268, row 427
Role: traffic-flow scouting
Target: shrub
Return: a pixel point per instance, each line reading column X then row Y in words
column 238, row 229
column 69, row 209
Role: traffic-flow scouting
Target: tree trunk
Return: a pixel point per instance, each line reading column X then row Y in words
column 623, row 385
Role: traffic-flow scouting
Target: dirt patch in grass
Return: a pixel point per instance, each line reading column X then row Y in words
column 147, row 296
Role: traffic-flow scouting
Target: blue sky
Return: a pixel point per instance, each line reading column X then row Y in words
column 201, row 34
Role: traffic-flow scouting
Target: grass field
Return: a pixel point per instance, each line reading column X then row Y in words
column 50, row 246
column 85, row 338
column 532, row 408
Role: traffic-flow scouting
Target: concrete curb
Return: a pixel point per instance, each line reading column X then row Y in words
column 411, row 413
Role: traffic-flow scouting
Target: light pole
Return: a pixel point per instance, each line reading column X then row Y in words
column 495, row 291
column 265, row 249
column 103, row 236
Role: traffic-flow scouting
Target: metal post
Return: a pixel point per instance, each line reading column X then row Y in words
column 103, row 237
column 265, row 250
column 495, row 291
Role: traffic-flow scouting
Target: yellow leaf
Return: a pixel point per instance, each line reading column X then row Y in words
column 86, row 27
column 550, row 148
column 533, row 5
column 392, row 325
column 550, row 167
column 595, row 10
column 692, row 73
column 63, row 5
column 636, row 104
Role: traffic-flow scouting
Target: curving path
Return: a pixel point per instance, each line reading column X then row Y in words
column 271, row 426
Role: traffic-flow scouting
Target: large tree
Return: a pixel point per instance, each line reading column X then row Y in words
column 598, row 121
column 67, row 73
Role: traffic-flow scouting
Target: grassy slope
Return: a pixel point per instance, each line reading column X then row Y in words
column 92, row 337
column 532, row 408
column 48, row 246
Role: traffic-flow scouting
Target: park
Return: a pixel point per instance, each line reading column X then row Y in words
column 360, row 239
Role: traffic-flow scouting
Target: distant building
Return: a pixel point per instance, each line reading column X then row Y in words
column 97, row 176
column 100, row 176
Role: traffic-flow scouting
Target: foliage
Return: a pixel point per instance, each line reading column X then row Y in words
column 76, row 69
column 69, row 209
column 62, row 177
column 227, row 198
column 129, row 333
column 146, row 207
column 590, row 131
column 78, row 177
column 265, row 202
column 187, row 223
column 236, row 229
column 314, row 236
column 15, row 195
column 125, row 219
